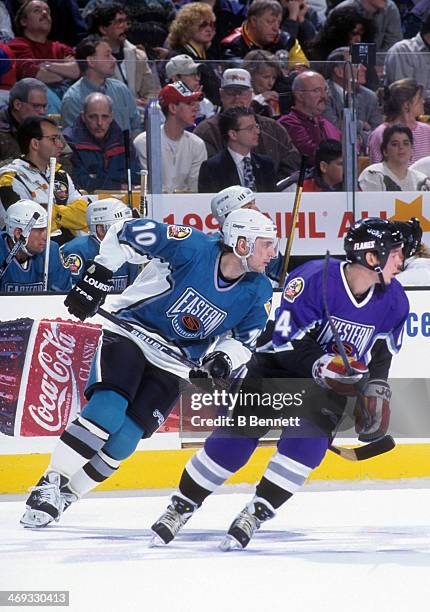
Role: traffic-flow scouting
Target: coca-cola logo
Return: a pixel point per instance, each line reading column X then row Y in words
column 55, row 358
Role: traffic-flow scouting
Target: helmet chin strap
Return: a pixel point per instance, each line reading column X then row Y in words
column 378, row 270
column 244, row 258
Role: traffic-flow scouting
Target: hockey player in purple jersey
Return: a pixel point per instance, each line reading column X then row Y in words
column 369, row 308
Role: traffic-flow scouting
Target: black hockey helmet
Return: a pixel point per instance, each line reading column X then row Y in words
column 372, row 235
column 412, row 235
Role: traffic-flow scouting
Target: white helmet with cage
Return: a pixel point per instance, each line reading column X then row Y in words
column 20, row 213
column 229, row 199
column 106, row 212
column 249, row 224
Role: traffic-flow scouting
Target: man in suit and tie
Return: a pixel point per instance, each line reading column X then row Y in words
column 236, row 164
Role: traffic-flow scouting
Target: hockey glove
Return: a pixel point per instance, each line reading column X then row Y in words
column 216, row 366
column 90, row 292
column 372, row 411
column 330, row 373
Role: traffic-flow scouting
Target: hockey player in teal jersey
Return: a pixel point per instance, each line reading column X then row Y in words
column 100, row 216
column 25, row 272
column 207, row 300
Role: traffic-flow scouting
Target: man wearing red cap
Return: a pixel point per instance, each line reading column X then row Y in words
column 182, row 152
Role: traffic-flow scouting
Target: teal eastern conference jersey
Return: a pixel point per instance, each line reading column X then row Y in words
column 179, row 298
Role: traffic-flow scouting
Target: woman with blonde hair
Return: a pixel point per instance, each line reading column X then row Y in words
column 191, row 33
column 265, row 71
column 403, row 103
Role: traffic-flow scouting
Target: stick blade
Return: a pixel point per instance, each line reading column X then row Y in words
column 384, row 445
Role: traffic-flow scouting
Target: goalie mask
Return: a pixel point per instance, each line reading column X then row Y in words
column 229, row 199
column 372, row 235
column 250, row 225
column 105, row 213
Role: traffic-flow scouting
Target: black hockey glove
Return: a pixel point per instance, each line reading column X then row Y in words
column 216, row 366
column 90, row 292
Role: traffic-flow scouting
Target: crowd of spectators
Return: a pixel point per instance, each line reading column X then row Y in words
column 245, row 89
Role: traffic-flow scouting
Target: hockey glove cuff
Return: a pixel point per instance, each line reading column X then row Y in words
column 90, row 292
column 372, row 411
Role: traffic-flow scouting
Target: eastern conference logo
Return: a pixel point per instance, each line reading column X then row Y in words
column 229, row 401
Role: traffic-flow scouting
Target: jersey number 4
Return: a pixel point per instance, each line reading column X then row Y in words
column 282, row 325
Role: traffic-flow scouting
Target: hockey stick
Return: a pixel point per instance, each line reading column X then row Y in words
column 372, row 449
column 18, row 244
column 163, row 348
column 290, row 238
column 52, row 164
column 126, row 136
column 143, row 205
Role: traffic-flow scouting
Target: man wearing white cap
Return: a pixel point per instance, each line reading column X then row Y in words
column 236, row 90
column 184, row 68
column 182, row 152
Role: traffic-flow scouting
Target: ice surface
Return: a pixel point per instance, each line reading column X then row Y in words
column 345, row 550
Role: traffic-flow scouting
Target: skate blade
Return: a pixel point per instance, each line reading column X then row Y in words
column 35, row 518
column 156, row 541
column 230, row 543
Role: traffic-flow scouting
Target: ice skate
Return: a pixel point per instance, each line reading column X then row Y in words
column 67, row 498
column 177, row 514
column 246, row 524
column 44, row 504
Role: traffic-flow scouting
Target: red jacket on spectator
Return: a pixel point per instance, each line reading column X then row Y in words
column 306, row 132
column 31, row 54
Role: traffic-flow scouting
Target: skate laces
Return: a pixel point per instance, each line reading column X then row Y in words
column 44, row 492
column 176, row 515
column 247, row 522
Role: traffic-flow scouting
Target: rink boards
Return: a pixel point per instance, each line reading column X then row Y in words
column 22, row 459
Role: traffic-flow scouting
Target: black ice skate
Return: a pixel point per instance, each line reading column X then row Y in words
column 177, row 514
column 44, row 504
column 246, row 524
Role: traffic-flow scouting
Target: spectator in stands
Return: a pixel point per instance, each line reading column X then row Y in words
column 182, row 152
column 6, row 31
column 299, row 20
column 416, row 265
column 237, row 164
column 410, row 58
column 403, row 103
column 343, row 27
column 265, row 71
column 98, row 64
column 39, row 139
column 111, row 22
column 184, row 68
column 27, row 97
column 262, row 30
column 385, row 17
column 191, row 33
column 7, row 71
column 326, row 175
column 236, row 90
column 101, row 215
column 68, row 24
column 305, row 123
column 52, row 62
column 97, row 143
column 25, row 273
column 339, row 81
column 393, row 173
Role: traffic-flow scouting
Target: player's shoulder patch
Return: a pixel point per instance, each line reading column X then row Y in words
column 294, row 288
column 6, row 179
column 178, row 232
column 73, row 262
column 268, row 307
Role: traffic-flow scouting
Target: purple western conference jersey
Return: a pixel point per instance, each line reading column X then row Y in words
column 380, row 315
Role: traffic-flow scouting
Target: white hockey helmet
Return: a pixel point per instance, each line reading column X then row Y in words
column 229, row 199
column 19, row 214
column 249, row 224
column 106, row 212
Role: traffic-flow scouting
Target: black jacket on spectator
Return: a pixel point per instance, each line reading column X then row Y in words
column 236, row 46
column 220, row 171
